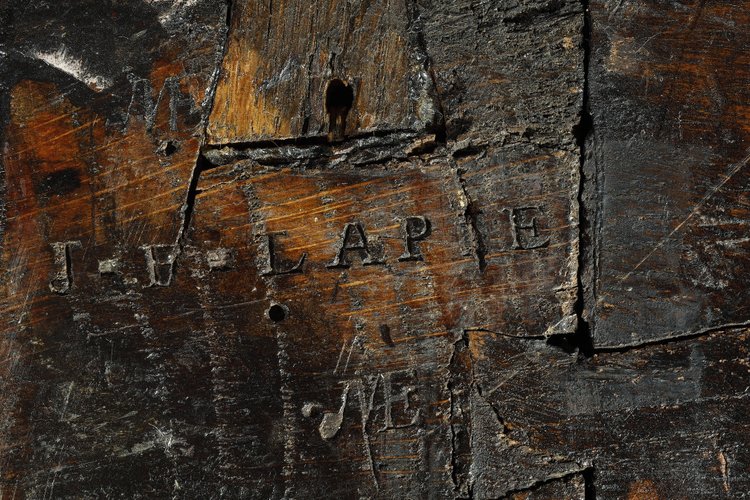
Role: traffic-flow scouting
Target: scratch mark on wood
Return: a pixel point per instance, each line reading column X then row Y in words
column 735, row 168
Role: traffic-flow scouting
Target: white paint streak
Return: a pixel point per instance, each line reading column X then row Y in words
column 73, row 66
column 724, row 468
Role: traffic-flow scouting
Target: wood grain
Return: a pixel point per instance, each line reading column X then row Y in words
column 282, row 56
column 373, row 249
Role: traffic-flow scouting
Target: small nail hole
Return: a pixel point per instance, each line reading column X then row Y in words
column 167, row 148
column 277, row 313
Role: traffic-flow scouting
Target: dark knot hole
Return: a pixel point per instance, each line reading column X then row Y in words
column 339, row 100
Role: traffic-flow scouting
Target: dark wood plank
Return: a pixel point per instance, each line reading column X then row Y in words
column 331, row 249
column 103, row 109
column 662, row 420
column 668, row 169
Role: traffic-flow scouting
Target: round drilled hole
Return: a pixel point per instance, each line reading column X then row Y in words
column 277, row 313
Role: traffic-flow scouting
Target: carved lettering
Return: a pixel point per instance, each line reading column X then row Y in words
column 331, row 422
column 353, row 239
column 63, row 277
column 160, row 259
column 398, row 393
column 414, row 228
column 523, row 222
column 272, row 265
column 160, row 263
column 142, row 102
column 395, row 391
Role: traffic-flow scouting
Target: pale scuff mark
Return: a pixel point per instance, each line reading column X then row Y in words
column 172, row 8
column 565, row 326
column 68, row 63
column 331, row 423
column 724, row 468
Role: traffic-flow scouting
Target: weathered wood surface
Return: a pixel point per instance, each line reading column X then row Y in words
column 335, row 249
column 281, row 57
column 668, row 167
